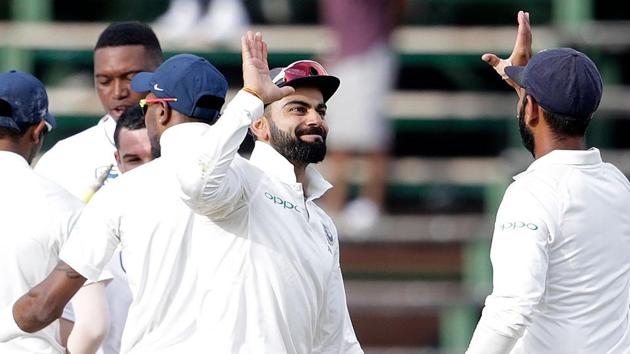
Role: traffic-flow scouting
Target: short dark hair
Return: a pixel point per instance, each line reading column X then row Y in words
column 131, row 119
column 130, row 33
column 567, row 126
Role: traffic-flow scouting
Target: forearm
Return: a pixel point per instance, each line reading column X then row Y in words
column 45, row 302
column 92, row 320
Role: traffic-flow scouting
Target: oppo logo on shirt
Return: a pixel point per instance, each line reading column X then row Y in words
column 281, row 202
column 517, row 225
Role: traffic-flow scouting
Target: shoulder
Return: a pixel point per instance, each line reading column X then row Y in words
column 55, row 195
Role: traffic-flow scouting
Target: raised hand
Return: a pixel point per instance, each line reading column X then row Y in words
column 520, row 54
column 256, row 69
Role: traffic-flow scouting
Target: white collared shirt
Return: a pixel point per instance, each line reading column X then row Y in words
column 75, row 163
column 142, row 211
column 269, row 267
column 561, row 260
column 36, row 216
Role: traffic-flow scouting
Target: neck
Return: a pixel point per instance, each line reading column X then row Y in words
column 300, row 173
column 554, row 143
column 10, row 146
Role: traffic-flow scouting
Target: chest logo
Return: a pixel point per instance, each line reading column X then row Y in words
column 329, row 235
column 282, row 203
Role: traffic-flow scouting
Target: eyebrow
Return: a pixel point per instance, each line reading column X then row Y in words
column 305, row 104
column 122, row 74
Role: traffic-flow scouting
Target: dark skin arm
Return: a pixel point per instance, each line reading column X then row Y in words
column 45, row 302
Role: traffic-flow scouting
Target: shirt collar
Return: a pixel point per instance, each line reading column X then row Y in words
column 109, row 125
column 274, row 164
column 13, row 159
column 591, row 156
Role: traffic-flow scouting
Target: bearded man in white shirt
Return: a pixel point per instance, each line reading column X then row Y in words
column 561, row 245
column 273, row 283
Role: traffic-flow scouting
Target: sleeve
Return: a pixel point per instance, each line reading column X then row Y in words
column 209, row 182
column 8, row 328
column 519, row 255
column 95, row 236
column 335, row 333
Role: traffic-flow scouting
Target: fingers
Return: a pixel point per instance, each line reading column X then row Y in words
column 265, row 52
column 491, row 59
column 245, row 52
column 287, row 90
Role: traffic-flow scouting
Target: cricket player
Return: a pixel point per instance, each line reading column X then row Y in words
column 561, row 244
column 272, row 283
column 142, row 211
column 36, row 217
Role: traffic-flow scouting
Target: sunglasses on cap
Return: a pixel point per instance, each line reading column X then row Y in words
column 145, row 102
column 298, row 70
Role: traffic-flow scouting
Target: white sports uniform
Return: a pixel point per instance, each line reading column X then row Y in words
column 142, row 211
column 36, row 216
column 76, row 163
column 269, row 270
column 561, row 260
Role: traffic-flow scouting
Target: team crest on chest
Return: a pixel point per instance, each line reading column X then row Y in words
column 329, row 235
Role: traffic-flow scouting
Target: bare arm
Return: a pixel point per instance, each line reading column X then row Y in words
column 45, row 302
column 92, row 320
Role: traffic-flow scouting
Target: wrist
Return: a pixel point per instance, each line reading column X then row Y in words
column 252, row 92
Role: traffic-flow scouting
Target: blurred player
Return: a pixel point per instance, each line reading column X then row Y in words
column 142, row 211
column 36, row 216
column 561, row 245
column 269, row 271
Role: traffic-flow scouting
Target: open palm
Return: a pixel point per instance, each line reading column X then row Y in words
column 256, row 69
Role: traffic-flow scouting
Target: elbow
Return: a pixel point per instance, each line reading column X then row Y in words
column 32, row 316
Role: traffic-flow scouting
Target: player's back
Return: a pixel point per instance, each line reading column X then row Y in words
column 36, row 216
column 143, row 210
column 587, row 300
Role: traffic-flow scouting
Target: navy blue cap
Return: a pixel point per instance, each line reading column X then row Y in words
column 196, row 84
column 562, row 81
column 25, row 101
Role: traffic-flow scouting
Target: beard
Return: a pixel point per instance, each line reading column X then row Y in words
column 527, row 138
column 156, row 149
column 295, row 149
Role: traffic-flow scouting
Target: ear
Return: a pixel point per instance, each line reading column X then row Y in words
column 260, row 128
column 37, row 132
column 533, row 113
column 164, row 114
column 117, row 157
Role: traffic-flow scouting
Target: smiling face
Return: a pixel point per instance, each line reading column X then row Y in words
column 114, row 67
column 296, row 126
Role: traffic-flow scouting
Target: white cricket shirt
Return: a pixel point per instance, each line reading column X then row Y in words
column 561, row 259
column 76, row 162
column 142, row 211
column 269, row 267
column 36, row 216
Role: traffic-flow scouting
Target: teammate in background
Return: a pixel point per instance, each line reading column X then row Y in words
column 269, row 271
column 132, row 150
column 122, row 50
column 561, row 245
column 359, row 123
column 84, row 162
column 143, row 212
column 133, row 147
column 36, row 217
